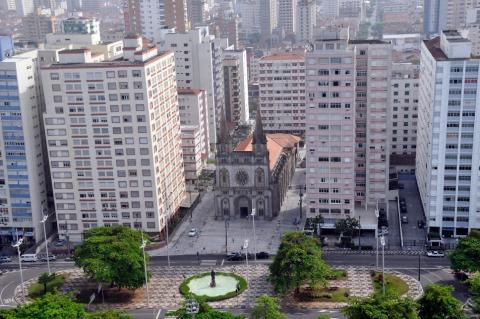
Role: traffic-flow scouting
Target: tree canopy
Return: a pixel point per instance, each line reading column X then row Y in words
column 437, row 302
column 390, row 306
column 112, row 255
column 467, row 254
column 57, row 306
column 347, row 226
column 298, row 261
column 267, row 307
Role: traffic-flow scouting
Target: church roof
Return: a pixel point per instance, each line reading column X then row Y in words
column 276, row 143
column 258, row 134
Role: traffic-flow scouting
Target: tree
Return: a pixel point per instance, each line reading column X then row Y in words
column 205, row 311
column 347, row 226
column 112, row 255
column 267, row 307
column 378, row 306
column 44, row 279
column 298, row 261
column 437, row 302
column 466, row 255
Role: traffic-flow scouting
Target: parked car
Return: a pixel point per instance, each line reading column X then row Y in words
column 263, row 255
column 5, row 259
column 404, row 220
column 421, row 224
column 50, row 257
column 59, row 243
column 402, row 201
column 401, row 186
column 435, row 253
column 403, row 209
column 193, row 232
column 29, row 258
column 235, row 256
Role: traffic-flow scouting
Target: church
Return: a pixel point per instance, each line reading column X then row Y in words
column 255, row 174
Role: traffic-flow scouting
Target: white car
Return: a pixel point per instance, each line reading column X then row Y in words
column 5, row 259
column 435, row 253
column 50, row 257
column 29, row 258
column 193, row 232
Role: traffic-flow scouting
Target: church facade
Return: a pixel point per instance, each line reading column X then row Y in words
column 254, row 175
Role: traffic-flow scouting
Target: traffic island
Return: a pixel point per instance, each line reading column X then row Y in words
column 213, row 286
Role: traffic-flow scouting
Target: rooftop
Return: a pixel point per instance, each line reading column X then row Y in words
column 433, row 45
column 189, row 91
column 276, row 143
column 283, row 56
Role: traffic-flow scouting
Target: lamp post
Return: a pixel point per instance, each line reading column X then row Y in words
column 377, row 214
column 419, row 265
column 168, row 252
column 245, row 247
column 142, row 246
column 382, row 241
column 17, row 245
column 254, row 236
column 43, row 221
column 227, row 224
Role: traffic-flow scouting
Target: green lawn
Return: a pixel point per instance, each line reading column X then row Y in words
column 37, row 290
column 392, row 284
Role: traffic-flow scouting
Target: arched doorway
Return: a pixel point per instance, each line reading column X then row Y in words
column 243, row 206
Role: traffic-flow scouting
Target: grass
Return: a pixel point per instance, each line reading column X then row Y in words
column 37, row 290
column 324, row 294
column 185, row 290
column 337, row 274
column 392, row 284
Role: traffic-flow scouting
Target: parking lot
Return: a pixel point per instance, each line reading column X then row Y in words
column 413, row 237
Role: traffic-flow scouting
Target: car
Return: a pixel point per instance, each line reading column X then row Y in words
column 263, row 255
column 402, row 201
column 401, row 186
column 50, row 257
column 29, row 258
column 236, row 256
column 435, row 253
column 421, row 224
column 193, row 232
column 59, row 243
column 403, row 209
column 5, row 259
column 404, row 220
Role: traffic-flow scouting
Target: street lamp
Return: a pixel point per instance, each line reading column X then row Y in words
column 144, row 244
column 254, row 237
column 227, row 224
column 382, row 241
column 377, row 214
column 245, row 247
column 17, row 245
column 43, row 221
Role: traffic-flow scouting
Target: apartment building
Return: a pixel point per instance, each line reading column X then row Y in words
column 404, row 113
column 347, row 115
column 113, row 138
column 199, row 65
column 37, row 25
column 197, row 12
column 268, row 18
column 22, row 176
column 236, row 86
column 448, row 143
column 287, row 16
column 282, row 92
column 306, row 19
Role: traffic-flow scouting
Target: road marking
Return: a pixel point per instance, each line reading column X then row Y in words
column 223, row 260
column 158, row 313
column 3, row 289
column 208, row 262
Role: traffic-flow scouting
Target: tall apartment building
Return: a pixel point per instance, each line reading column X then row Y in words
column 176, row 15
column 434, row 16
column 464, row 15
column 347, row 115
column 250, row 17
column 268, row 18
column 24, row 7
column 349, row 8
column 287, row 16
column 329, row 8
column 22, row 176
column 113, row 138
column 282, row 93
column 448, row 144
column 404, row 113
column 37, row 25
column 194, row 125
column 197, row 12
column 199, row 65
column 306, row 19
column 236, row 86
column 132, row 17
column 80, row 25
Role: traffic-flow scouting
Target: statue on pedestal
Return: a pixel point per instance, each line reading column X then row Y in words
column 213, row 283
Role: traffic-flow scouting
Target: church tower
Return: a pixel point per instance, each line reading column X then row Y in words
column 223, row 140
column 259, row 140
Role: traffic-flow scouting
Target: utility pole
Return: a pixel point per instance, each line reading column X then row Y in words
column 382, row 241
column 419, row 265
column 17, row 245
column 377, row 214
column 300, row 187
column 43, row 221
column 227, row 224
column 359, row 232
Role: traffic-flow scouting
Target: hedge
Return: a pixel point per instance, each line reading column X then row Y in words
column 185, row 290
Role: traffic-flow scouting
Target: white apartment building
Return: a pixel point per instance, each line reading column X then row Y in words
column 199, row 65
column 113, row 138
column 287, row 16
column 236, row 86
column 306, row 19
column 448, row 142
column 22, row 176
column 24, row 7
column 347, row 117
column 192, row 148
column 404, row 96
column 282, row 92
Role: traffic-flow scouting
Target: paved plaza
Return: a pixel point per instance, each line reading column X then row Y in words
column 211, row 236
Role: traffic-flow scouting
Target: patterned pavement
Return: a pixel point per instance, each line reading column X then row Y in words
column 164, row 293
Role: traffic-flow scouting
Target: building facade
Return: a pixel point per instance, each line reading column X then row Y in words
column 115, row 158
column 404, row 114
column 287, row 16
column 37, row 25
column 282, row 92
column 448, row 142
column 236, row 86
column 22, row 176
column 254, row 175
column 306, row 19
